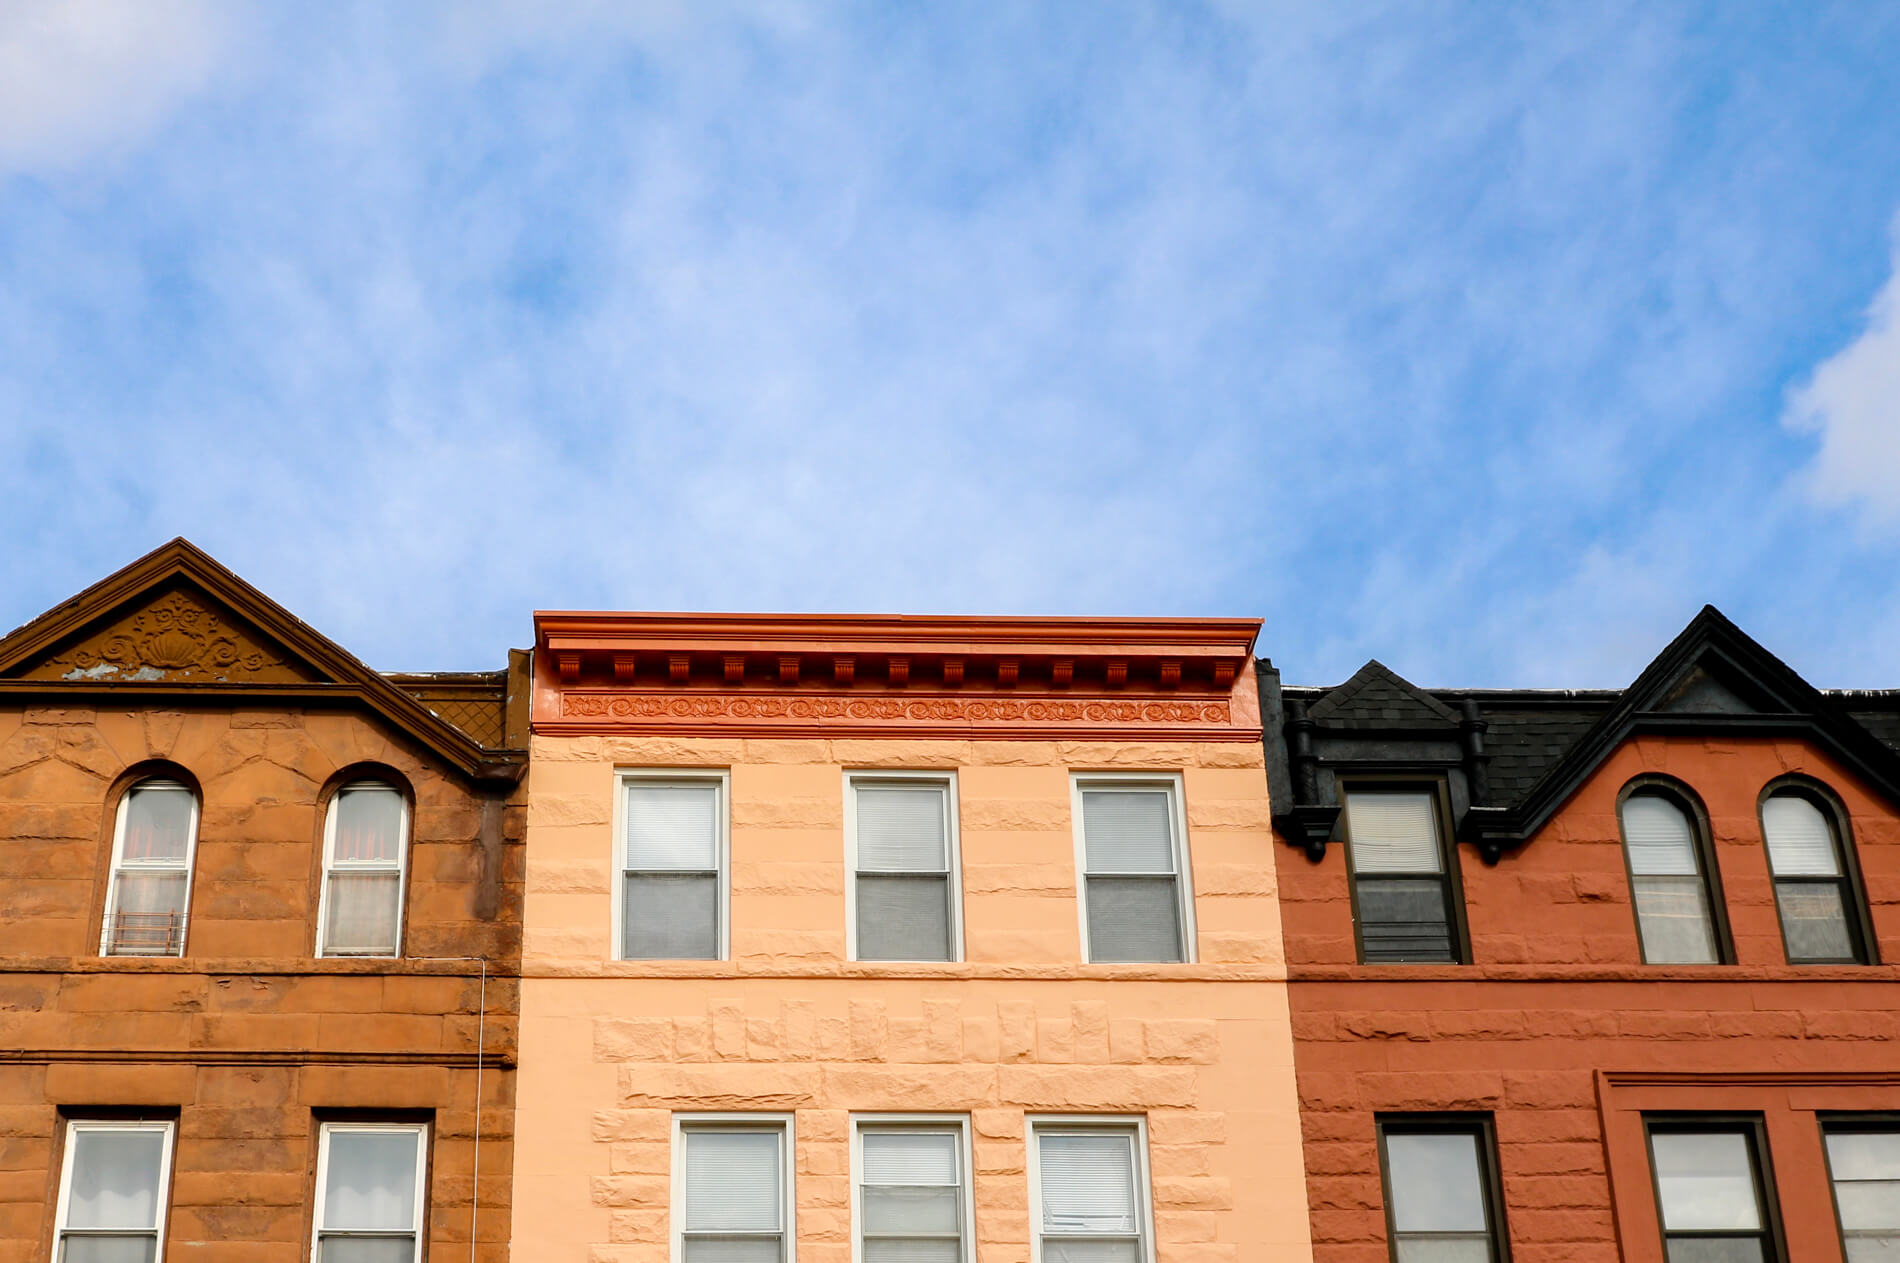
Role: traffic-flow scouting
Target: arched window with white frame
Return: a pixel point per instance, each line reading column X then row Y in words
column 365, row 871
column 153, row 842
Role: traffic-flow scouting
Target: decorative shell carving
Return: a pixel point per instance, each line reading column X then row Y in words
column 177, row 637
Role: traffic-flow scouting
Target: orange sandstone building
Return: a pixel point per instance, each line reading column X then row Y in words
column 901, row 939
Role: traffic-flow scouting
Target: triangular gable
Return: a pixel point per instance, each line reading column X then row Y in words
column 176, row 618
column 1712, row 678
column 1378, row 697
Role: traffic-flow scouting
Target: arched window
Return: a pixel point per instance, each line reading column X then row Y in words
column 365, row 854
column 1669, row 880
column 1820, row 915
column 152, row 846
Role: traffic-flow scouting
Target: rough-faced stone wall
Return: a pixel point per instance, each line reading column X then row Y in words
column 248, row 1041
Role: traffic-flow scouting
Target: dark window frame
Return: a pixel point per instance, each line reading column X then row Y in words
column 1751, row 1126
column 1848, row 1122
column 1853, row 888
column 1702, row 838
column 1481, row 1126
column 1451, row 879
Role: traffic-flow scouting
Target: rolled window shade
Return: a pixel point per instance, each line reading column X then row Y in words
column 733, row 1180
column 1660, row 839
column 673, row 826
column 1088, row 1183
column 371, row 1181
column 1392, row 832
column 1128, row 830
column 1800, row 841
column 910, row 1157
column 901, row 829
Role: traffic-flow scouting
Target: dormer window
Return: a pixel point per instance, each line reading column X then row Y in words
column 152, row 848
column 1401, row 877
column 1820, row 921
column 1669, row 880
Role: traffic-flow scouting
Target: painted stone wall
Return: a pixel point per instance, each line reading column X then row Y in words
column 611, row 1050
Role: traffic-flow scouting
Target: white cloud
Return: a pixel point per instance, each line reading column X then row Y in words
column 1853, row 402
column 78, row 77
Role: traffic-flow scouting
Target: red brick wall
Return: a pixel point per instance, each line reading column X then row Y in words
column 1560, row 1033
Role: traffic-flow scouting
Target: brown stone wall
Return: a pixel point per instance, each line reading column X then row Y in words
column 1560, row 1033
column 249, row 1041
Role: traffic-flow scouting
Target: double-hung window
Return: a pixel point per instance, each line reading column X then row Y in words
column 113, row 1189
column 732, row 1190
column 912, row 1190
column 365, row 850
column 672, row 862
column 1401, row 880
column 1863, row 1161
column 1088, row 1182
column 152, row 848
column 1440, row 1190
column 1710, row 1194
column 1131, row 845
column 1820, row 922
column 370, row 1182
column 1668, row 880
column 902, row 833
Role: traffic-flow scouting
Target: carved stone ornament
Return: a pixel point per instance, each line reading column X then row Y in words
column 661, row 709
column 176, row 638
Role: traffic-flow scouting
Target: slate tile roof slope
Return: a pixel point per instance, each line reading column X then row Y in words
column 1377, row 697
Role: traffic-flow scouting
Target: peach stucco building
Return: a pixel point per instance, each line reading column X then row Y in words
column 892, row 938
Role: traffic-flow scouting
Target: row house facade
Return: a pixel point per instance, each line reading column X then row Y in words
column 261, row 931
column 937, row 940
column 1595, row 976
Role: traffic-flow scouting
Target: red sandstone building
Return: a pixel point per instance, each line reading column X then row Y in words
column 262, row 926
column 1595, row 976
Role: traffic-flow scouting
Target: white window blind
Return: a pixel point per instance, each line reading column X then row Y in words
column 670, row 892
column 1667, row 883
column 113, row 1192
column 370, row 1193
column 734, row 1180
column 910, row 1195
column 151, row 872
column 1392, row 832
column 1092, row 1207
column 1131, row 882
column 1800, row 841
column 902, row 887
column 1660, row 838
column 364, row 861
column 1437, row 1185
column 1865, row 1167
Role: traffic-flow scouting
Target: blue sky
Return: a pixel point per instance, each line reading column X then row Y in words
column 1491, row 340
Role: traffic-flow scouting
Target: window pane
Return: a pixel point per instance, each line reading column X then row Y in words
column 1088, row 1182
column 157, row 823
column 901, row 828
column 732, row 1181
column 370, row 1181
column 1800, row 842
column 892, row 1208
column 1869, row 1205
column 1814, row 920
column 1056, row 1250
column 1881, row 1249
column 1864, row 1155
column 115, row 1178
column 1707, row 1181
column 139, row 1249
column 1134, row 919
column 671, row 917
column 1127, row 831
column 732, row 1250
column 361, row 913
column 367, row 1250
column 368, row 825
column 1474, row 1248
column 1717, row 1250
column 148, row 915
column 672, row 826
column 1404, row 919
column 1392, row 833
column 1437, row 1185
column 1661, row 842
column 889, row 1251
column 903, row 918
column 1673, row 913
column 909, row 1157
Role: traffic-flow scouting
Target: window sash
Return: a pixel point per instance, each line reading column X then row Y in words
column 1866, row 1187
column 690, row 1229
column 949, row 1196
column 1401, row 877
column 658, row 872
column 1424, row 1217
column 149, row 1227
column 1107, row 890
column 1671, row 891
column 1695, row 1217
column 325, row 1225
column 1051, row 1238
column 902, row 852
column 148, row 930
column 347, row 923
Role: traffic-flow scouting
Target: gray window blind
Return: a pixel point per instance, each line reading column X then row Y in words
column 1438, row 1197
column 1865, row 1168
column 1402, row 893
column 910, row 1196
column 670, row 896
column 1132, row 885
column 902, row 884
column 1090, row 1205
column 735, row 1202
column 1667, row 885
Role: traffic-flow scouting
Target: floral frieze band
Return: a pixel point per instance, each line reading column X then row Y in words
column 615, row 710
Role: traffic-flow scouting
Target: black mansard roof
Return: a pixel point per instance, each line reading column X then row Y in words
column 1514, row 756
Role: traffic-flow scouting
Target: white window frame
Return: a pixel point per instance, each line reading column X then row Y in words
column 719, row 777
column 953, row 854
column 324, row 1131
column 1184, row 877
column 746, row 1121
column 1033, row 1124
column 76, row 1125
column 118, row 862
column 330, row 865
column 956, row 1124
